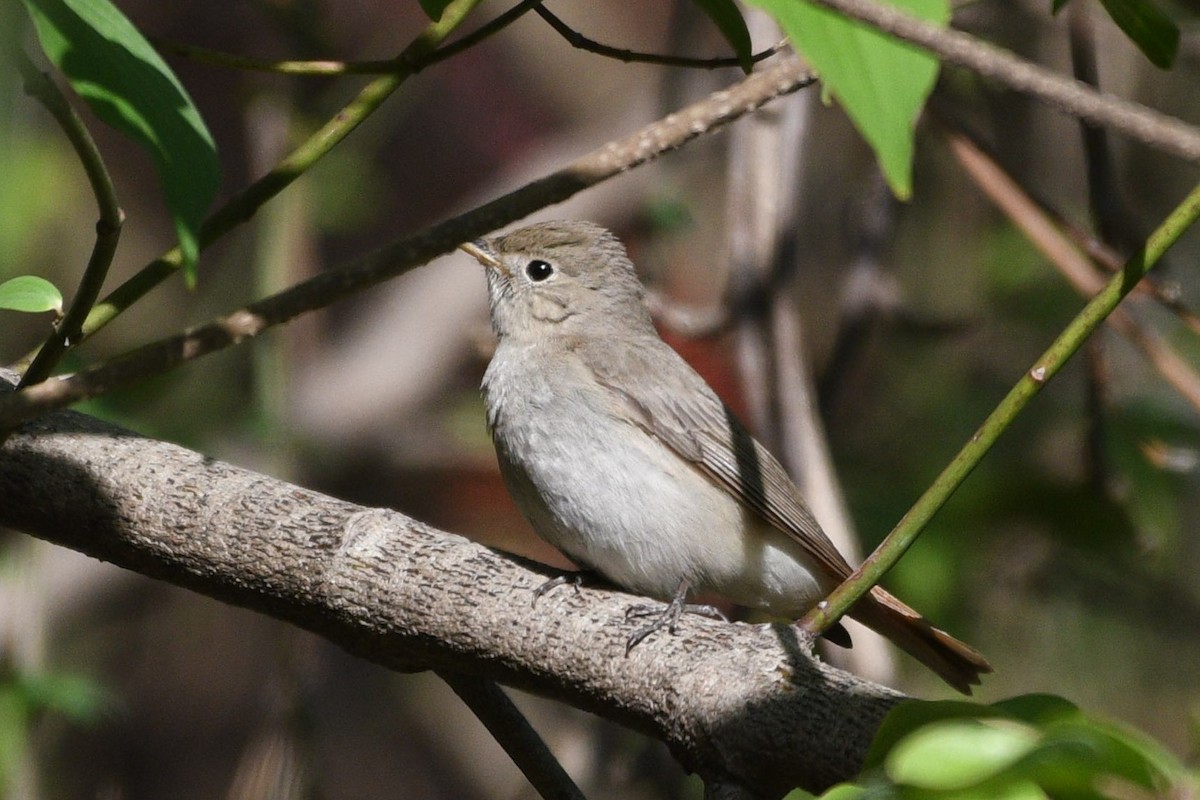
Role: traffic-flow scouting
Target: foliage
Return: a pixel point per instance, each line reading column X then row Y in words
column 1033, row 746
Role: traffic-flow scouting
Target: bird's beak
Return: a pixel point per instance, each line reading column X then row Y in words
column 480, row 252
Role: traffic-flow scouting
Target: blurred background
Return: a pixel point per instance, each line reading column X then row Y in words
column 1067, row 557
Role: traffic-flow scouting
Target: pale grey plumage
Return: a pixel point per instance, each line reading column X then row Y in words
column 624, row 458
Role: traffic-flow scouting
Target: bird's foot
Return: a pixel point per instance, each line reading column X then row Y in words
column 668, row 616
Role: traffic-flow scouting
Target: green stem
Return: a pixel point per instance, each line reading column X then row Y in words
column 243, row 206
column 1093, row 314
column 108, row 228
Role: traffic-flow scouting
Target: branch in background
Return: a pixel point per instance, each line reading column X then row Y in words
column 578, row 40
column 108, row 227
column 1043, row 233
column 512, row 731
column 616, row 157
column 742, row 704
column 1136, row 121
column 1111, row 220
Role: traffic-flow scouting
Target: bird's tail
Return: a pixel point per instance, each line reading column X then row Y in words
column 959, row 664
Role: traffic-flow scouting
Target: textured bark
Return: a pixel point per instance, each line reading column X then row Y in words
column 745, row 705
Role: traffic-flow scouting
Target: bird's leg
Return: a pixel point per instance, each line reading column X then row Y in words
column 667, row 617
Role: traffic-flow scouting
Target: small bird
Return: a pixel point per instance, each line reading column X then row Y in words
column 621, row 456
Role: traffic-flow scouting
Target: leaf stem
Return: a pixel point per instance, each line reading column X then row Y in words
column 1046, row 367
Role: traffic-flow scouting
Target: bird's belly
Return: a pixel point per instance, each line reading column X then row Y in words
column 619, row 501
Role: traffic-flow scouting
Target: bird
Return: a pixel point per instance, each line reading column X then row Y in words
column 622, row 456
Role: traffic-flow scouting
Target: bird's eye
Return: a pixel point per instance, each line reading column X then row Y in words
column 538, row 270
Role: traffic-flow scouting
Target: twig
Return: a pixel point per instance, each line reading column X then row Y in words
column 1132, row 119
column 513, row 732
column 672, row 132
column 578, row 40
column 1046, row 367
column 332, row 67
column 108, row 227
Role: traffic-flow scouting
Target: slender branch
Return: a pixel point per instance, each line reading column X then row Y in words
column 1132, row 119
column 1046, row 367
column 672, row 132
column 108, row 227
column 332, row 67
column 245, row 204
column 509, row 727
column 581, row 42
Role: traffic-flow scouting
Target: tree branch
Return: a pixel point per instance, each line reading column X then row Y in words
column 740, row 704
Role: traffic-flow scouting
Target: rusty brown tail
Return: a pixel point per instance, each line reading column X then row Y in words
column 958, row 664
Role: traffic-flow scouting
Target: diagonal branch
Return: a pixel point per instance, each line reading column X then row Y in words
column 740, row 704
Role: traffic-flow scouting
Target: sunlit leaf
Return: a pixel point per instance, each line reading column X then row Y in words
column 30, row 294
column 960, row 753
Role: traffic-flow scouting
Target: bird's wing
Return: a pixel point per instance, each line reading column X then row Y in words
column 676, row 405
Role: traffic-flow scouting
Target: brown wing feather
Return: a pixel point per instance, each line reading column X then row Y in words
column 683, row 412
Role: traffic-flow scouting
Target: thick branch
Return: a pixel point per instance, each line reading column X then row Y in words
column 741, row 704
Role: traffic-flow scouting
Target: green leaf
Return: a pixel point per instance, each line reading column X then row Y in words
column 1154, row 33
column 1057, row 6
column 912, row 715
column 728, row 18
column 881, row 82
column 76, row 697
column 112, row 67
column 958, row 754
column 434, row 8
column 30, row 294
